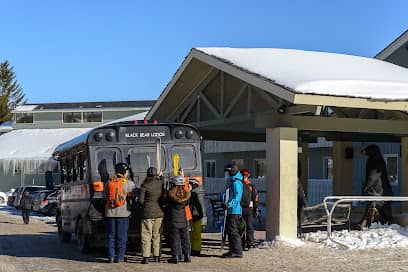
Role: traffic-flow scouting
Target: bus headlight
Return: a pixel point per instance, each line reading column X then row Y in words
column 110, row 136
column 189, row 134
column 179, row 134
column 98, row 136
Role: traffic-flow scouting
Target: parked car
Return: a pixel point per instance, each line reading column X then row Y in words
column 12, row 197
column 21, row 190
column 40, row 199
column 3, row 198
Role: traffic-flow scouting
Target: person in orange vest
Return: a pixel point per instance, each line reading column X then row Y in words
column 249, row 203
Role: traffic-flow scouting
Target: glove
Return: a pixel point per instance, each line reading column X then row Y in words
column 224, row 206
column 256, row 213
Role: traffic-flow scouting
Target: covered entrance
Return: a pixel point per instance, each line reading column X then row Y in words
column 288, row 98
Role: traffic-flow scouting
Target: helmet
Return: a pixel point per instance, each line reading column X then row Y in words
column 177, row 180
column 121, row 168
column 245, row 172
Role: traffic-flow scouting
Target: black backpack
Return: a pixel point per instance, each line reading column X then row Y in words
column 248, row 194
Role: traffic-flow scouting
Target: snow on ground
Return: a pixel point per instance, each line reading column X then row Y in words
column 376, row 237
column 33, row 215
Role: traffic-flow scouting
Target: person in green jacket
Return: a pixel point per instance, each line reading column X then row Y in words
column 150, row 200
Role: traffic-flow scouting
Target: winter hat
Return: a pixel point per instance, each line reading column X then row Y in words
column 245, row 172
column 121, row 168
column 151, row 171
column 233, row 169
column 177, row 180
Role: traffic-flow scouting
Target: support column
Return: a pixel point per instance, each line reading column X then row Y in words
column 342, row 169
column 404, row 174
column 304, row 164
column 281, row 183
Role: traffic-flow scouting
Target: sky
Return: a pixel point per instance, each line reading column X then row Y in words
column 100, row 50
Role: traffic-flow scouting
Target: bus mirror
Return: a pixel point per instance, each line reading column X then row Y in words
column 98, row 186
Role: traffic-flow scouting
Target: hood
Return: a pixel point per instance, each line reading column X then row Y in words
column 238, row 175
column 178, row 194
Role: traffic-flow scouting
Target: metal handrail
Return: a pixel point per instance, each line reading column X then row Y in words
column 340, row 199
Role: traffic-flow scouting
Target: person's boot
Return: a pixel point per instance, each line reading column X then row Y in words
column 157, row 259
column 174, row 259
column 187, row 258
column 110, row 260
column 145, row 260
column 195, row 253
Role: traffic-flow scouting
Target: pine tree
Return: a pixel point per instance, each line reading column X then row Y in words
column 12, row 94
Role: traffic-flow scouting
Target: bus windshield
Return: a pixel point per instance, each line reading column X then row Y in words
column 142, row 157
column 186, row 154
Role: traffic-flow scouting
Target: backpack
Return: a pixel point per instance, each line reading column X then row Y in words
column 249, row 194
column 114, row 195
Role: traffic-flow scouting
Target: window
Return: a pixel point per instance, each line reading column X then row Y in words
column 82, row 164
column 143, row 157
column 259, row 168
column 71, row 117
column 187, row 158
column 106, row 159
column 239, row 162
column 92, row 117
column 24, row 118
column 327, row 168
column 209, row 168
column 391, row 161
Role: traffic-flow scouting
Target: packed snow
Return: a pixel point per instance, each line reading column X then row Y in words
column 30, row 149
column 319, row 72
column 33, row 215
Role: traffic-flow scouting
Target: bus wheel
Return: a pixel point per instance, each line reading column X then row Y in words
column 63, row 235
column 82, row 238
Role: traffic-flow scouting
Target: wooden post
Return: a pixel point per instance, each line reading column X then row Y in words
column 342, row 169
column 281, row 178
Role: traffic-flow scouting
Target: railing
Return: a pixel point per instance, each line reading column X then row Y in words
column 335, row 200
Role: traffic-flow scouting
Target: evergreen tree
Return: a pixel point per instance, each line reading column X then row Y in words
column 11, row 94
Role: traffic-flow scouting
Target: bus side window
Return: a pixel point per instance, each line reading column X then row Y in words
column 82, row 165
column 74, row 167
column 63, row 171
column 69, row 163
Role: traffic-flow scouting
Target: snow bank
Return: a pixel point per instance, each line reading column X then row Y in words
column 320, row 73
column 376, row 237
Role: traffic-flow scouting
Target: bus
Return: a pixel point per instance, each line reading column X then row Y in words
column 87, row 163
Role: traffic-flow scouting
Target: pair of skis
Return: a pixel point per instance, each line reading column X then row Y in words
column 223, row 231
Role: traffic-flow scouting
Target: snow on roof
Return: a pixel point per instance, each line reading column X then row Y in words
column 31, row 149
column 24, row 108
column 320, row 73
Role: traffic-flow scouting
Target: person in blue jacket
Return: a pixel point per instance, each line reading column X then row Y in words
column 234, row 212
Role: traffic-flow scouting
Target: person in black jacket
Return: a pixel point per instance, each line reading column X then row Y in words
column 178, row 198
column 150, row 200
column 197, row 216
column 26, row 206
column 376, row 174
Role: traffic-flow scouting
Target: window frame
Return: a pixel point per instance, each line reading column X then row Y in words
column 87, row 112
column 24, row 113
column 192, row 147
column 213, row 168
column 325, row 168
column 392, row 155
column 258, row 176
column 72, row 112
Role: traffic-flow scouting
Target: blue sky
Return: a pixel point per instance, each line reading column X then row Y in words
column 65, row 51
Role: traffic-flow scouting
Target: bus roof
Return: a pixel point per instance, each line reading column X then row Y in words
column 83, row 138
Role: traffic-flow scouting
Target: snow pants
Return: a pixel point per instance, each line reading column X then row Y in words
column 234, row 239
column 249, row 224
column 195, row 236
column 180, row 241
column 26, row 215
